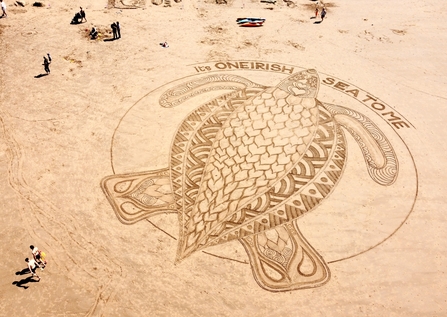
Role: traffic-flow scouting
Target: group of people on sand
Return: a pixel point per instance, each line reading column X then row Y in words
column 116, row 30
column 38, row 261
column 80, row 17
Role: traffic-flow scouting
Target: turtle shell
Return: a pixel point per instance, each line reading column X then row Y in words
column 251, row 160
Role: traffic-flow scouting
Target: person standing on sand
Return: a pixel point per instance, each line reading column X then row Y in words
column 323, row 14
column 118, row 30
column 82, row 13
column 32, row 266
column 113, row 25
column 4, row 15
column 46, row 65
column 316, row 12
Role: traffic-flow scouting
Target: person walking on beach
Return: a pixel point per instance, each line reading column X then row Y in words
column 46, row 65
column 32, row 266
column 113, row 25
column 118, row 30
column 82, row 13
column 4, row 15
column 323, row 14
column 38, row 256
column 40, row 260
column 316, row 12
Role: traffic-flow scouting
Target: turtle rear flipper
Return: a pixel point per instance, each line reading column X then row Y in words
column 282, row 260
column 137, row 196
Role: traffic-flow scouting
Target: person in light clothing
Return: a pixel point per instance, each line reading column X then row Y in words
column 38, row 256
column 32, row 266
column 4, row 15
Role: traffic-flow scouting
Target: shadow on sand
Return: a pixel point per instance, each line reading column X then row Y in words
column 24, row 281
column 40, row 75
column 24, row 271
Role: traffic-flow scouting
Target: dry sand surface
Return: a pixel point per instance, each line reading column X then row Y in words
column 98, row 114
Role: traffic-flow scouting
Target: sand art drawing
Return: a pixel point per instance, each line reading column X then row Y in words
column 247, row 164
column 126, row 4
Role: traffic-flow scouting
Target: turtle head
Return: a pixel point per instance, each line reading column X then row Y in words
column 304, row 84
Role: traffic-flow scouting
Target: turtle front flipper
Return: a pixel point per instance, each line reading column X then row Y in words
column 282, row 260
column 137, row 196
column 381, row 161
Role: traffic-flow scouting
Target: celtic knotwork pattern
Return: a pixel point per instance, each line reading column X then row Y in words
column 217, row 82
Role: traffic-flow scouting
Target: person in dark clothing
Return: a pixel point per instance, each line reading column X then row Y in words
column 76, row 19
column 93, row 33
column 118, row 30
column 113, row 25
column 323, row 14
column 82, row 13
column 46, row 65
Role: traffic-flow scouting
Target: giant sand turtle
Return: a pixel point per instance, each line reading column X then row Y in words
column 245, row 165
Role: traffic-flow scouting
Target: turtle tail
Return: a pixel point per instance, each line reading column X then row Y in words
column 380, row 158
column 180, row 93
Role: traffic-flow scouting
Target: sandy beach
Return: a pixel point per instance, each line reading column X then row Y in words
column 125, row 166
